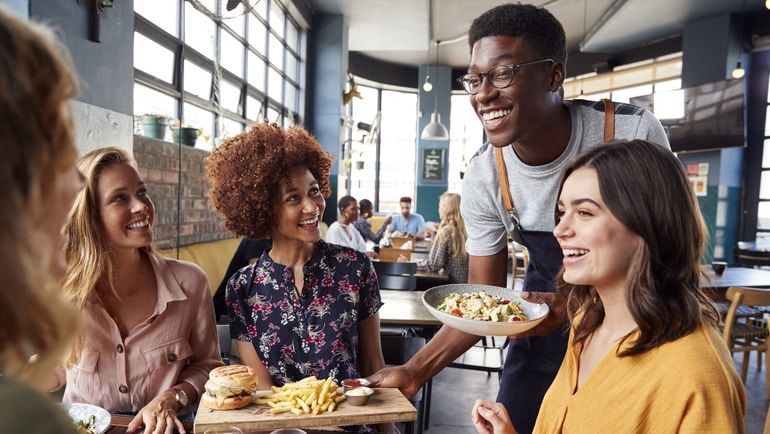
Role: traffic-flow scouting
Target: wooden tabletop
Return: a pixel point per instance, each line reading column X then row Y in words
column 405, row 308
column 120, row 423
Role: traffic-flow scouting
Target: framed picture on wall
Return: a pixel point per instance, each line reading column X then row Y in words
column 433, row 164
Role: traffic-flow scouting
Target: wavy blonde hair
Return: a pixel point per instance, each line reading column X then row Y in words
column 452, row 224
column 37, row 143
column 87, row 252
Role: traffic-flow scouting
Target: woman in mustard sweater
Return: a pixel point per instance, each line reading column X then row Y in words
column 644, row 355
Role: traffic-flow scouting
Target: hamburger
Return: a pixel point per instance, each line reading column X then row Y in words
column 230, row 387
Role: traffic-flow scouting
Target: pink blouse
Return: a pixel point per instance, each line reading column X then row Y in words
column 178, row 342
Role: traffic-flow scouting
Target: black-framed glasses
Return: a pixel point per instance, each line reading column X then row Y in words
column 501, row 76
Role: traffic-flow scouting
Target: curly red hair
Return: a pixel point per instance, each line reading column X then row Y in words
column 246, row 172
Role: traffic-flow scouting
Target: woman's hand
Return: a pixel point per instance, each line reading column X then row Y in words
column 158, row 416
column 491, row 417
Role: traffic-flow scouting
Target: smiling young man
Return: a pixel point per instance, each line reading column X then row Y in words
column 514, row 81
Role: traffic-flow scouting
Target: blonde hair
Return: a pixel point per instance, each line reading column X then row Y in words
column 87, row 252
column 452, row 224
column 37, row 143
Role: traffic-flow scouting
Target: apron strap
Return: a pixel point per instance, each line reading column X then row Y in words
column 609, row 120
column 502, row 177
column 502, row 172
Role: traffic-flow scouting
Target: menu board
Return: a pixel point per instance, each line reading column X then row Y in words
column 433, row 164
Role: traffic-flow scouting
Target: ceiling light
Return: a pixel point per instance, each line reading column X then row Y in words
column 767, row 4
column 428, row 86
column 738, row 71
column 435, row 130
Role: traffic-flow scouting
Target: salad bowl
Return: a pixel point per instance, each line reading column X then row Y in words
column 434, row 297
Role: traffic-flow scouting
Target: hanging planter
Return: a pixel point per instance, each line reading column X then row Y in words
column 359, row 165
column 154, row 126
column 185, row 135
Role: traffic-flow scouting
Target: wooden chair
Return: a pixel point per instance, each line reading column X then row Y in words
column 397, row 350
column 398, row 242
column 745, row 337
column 390, row 254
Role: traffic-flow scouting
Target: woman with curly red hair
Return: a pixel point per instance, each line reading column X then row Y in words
column 305, row 307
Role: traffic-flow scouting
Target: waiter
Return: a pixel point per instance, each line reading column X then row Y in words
column 517, row 67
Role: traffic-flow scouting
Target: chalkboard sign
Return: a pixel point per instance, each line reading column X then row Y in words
column 433, row 164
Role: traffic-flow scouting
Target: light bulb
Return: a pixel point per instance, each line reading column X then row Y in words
column 767, row 4
column 428, row 86
column 738, row 71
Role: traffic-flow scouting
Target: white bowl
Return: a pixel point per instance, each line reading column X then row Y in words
column 536, row 312
column 78, row 412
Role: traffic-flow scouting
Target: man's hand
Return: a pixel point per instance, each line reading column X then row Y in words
column 158, row 416
column 397, row 376
column 557, row 313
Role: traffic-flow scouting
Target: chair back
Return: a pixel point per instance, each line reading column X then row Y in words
column 395, row 267
column 390, row 254
column 398, row 282
column 398, row 242
column 397, row 350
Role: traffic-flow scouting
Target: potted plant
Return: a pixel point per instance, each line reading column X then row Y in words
column 185, row 134
column 154, row 125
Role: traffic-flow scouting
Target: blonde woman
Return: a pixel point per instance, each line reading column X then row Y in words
column 448, row 251
column 149, row 337
column 40, row 181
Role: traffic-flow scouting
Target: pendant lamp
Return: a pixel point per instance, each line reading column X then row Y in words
column 435, row 130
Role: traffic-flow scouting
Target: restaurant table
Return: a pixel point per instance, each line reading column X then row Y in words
column 736, row 276
column 405, row 308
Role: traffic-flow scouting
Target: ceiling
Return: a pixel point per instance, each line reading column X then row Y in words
column 405, row 31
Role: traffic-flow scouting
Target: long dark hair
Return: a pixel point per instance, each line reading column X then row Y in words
column 645, row 188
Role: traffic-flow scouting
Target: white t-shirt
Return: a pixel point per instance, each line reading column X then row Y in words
column 345, row 235
column 534, row 188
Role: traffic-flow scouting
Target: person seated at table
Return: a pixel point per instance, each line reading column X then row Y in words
column 40, row 182
column 407, row 223
column 248, row 252
column 448, row 250
column 644, row 353
column 342, row 232
column 149, row 339
column 363, row 225
column 305, row 307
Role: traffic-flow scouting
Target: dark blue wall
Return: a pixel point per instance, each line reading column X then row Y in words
column 106, row 69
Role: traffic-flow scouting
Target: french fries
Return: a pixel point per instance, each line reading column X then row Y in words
column 307, row 396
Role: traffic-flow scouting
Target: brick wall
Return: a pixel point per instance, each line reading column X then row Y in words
column 159, row 167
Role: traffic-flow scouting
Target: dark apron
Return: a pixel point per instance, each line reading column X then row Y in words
column 532, row 363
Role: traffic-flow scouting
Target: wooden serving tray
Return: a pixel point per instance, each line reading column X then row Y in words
column 386, row 405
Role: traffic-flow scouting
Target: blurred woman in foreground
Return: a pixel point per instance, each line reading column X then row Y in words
column 644, row 354
column 448, row 250
column 40, row 182
column 149, row 339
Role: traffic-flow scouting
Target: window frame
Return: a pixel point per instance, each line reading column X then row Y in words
column 289, row 112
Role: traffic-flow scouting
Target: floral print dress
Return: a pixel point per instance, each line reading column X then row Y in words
column 315, row 333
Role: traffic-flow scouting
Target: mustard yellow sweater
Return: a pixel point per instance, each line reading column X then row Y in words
column 686, row 386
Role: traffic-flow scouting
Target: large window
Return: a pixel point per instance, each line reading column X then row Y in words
column 224, row 70
column 398, row 144
column 763, row 211
column 466, row 136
